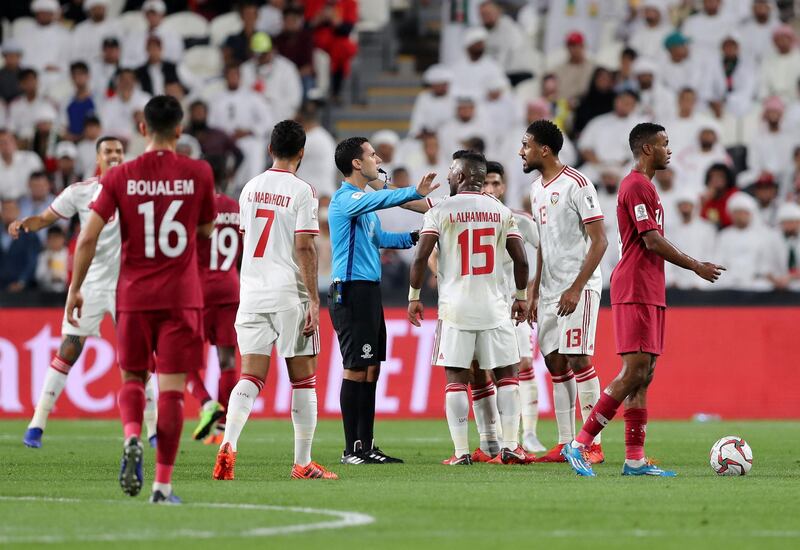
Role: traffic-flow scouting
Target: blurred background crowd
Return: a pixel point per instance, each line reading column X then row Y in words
column 421, row 78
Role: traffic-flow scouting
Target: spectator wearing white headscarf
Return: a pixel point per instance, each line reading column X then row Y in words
column 134, row 45
column 434, row 106
column 756, row 31
column 781, row 69
column 772, row 147
column 467, row 123
column 692, row 163
column 88, row 35
column 706, row 28
column 650, row 29
column 692, row 234
column 478, row 68
column 786, row 274
column 52, row 60
column 656, row 102
column 505, row 41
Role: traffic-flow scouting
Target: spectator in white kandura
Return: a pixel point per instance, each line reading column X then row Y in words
column 706, row 28
column 757, row 30
column 274, row 77
column 16, row 167
column 765, row 191
column 399, row 220
column 605, row 138
column 501, row 107
column 22, row 111
column 118, row 112
column 87, row 151
column 104, row 70
column 664, row 181
column 787, row 273
column 270, row 17
column 37, row 200
column 467, row 123
column 686, row 125
column 693, row 235
column 433, row 106
column 319, row 150
column 682, row 69
column 425, row 157
column 245, row 116
column 780, row 71
column 735, row 84
column 692, row 162
column 772, row 147
column 385, row 143
column 88, row 35
column 656, row 101
column 52, row 60
column 741, row 247
column 473, row 72
column 134, row 45
column 51, row 266
column 650, row 29
column 66, row 166
column 575, row 74
column 607, row 187
column 506, row 40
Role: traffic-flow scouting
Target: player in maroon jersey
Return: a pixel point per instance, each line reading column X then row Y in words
column 638, row 304
column 219, row 275
column 164, row 202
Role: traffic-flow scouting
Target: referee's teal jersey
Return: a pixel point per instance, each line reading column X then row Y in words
column 356, row 234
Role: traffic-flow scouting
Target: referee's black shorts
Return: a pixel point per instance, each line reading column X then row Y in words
column 359, row 323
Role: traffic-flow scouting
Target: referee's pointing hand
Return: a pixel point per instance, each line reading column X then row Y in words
column 427, row 186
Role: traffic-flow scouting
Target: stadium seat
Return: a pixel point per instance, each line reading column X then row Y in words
column 186, row 24
column 223, row 26
column 21, row 25
column 115, row 8
column 132, row 22
column 373, row 15
column 204, row 62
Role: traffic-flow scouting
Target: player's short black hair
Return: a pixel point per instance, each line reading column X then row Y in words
column 288, row 137
column 347, row 151
column 102, row 139
column 730, row 179
column 79, row 66
column 643, row 133
column 546, row 133
column 26, row 72
column 494, row 167
column 474, row 164
column 55, row 230
column 38, row 174
column 162, row 114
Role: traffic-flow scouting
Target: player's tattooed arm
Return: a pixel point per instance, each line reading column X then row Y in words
column 71, row 347
column 661, row 246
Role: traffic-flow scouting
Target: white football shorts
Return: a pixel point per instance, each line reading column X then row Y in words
column 258, row 333
column 524, row 334
column 573, row 334
column 492, row 348
column 96, row 303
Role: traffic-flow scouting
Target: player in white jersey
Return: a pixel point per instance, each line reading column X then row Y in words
column 471, row 228
column 99, row 288
column 278, row 299
column 565, row 295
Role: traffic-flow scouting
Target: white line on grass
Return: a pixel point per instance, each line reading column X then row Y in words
column 342, row 519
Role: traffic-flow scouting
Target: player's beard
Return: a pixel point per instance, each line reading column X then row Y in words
column 527, row 168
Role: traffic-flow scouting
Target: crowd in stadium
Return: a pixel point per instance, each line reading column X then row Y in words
column 722, row 76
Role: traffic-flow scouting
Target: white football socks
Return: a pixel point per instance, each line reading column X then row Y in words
column 457, row 411
column 564, row 393
column 484, row 406
column 588, row 393
column 243, row 397
column 150, row 407
column 529, row 401
column 304, row 420
column 54, row 382
column 508, row 407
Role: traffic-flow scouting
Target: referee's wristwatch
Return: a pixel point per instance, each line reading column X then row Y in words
column 414, row 237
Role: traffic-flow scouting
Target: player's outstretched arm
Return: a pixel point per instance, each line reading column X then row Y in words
column 425, row 247
column 516, row 250
column 307, row 261
column 661, row 246
column 419, row 205
column 84, row 254
column 32, row 223
column 597, row 247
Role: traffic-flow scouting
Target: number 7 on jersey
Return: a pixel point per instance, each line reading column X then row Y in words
column 261, row 246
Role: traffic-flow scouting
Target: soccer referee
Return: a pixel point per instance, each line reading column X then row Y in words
column 355, row 296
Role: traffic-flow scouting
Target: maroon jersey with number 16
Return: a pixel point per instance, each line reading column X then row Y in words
column 638, row 278
column 218, row 256
column 161, row 197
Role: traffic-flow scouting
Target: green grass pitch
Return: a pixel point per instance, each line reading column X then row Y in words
column 66, row 494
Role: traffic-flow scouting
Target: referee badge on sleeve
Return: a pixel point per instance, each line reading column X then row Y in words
column 640, row 210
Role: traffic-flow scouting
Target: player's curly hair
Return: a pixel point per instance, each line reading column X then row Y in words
column 287, row 138
column 546, row 133
column 643, row 133
column 347, row 151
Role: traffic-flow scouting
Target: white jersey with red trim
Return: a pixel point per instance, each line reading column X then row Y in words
column 561, row 208
column 472, row 229
column 274, row 206
column 76, row 199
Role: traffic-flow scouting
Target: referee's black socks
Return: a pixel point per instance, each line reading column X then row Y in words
column 366, row 414
column 349, row 402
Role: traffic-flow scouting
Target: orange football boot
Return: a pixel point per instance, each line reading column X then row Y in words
column 226, row 460
column 517, row 456
column 214, row 439
column 479, row 456
column 553, row 455
column 312, row 471
column 595, row 454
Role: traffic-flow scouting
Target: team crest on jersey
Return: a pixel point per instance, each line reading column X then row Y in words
column 554, row 198
column 367, row 351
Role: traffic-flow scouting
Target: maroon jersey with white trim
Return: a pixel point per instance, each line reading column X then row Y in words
column 219, row 255
column 161, row 198
column 561, row 208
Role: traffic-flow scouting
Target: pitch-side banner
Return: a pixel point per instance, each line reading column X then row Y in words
column 732, row 362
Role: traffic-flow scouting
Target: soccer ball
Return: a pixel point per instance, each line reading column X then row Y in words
column 731, row 456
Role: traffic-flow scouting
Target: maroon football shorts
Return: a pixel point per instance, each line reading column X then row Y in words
column 175, row 336
column 218, row 323
column 639, row 327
